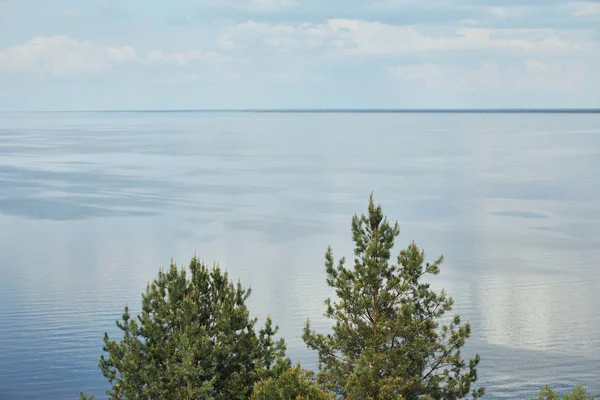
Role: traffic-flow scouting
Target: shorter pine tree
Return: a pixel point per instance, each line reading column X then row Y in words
column 290, row 383
column 194, row 339
column 578, row 393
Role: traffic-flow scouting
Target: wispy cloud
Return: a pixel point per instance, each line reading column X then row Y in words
column 436, row 76
column 583, row 9
column 358, row 37
column 255, row 6
column 62, row 55
column 257, row 51
column 498, row 12
column 536, row 67
column 533, row 74
column 184, row 58
column 256, row 33
column 565, row 76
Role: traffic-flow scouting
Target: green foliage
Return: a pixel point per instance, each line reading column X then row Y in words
column 291, row 382
column 578, row 393
column 194, row 339
column 387, row 342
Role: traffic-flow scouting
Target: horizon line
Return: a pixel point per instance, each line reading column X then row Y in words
column 327, row 110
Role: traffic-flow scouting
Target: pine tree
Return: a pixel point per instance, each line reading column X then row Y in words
column 578, row 393
column 290, row 383
column 194, row 339
column 387, row 341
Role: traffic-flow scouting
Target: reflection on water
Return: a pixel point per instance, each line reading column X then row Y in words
column 91, row 204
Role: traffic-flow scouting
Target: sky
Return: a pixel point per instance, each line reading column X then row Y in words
column 215, row 54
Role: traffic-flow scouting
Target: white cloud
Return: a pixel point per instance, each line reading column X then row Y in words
column 583, row 9
column 183, row 58
column 183, row 79
column 498, row 12
column 432, row 75
column 482, row 75
column 560, row 75
column 378, row 38
column 257, row 6
column 358, row 37
column 536, row 67
column 123, row 54
column 252, row 33
column 62, row 55
column 397, row 4
column 552, row 75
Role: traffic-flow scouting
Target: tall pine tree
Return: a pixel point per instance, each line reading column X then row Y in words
column 387, row 340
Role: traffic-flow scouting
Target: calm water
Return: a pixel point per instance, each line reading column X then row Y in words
column 92, row 204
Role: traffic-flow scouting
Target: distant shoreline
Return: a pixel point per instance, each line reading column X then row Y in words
column 348, row 111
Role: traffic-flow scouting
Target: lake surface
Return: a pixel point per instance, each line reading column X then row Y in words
column 92, row 204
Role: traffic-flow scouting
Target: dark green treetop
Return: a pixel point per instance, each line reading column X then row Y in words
column 290, row 383
column 194, row 339
column 387, row 341
column 578, row 393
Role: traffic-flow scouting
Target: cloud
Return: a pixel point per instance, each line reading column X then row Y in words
column 183, row 79
column 555, row 75
column 371, row 38
column 432, row 75
column 123, row 54
column 256, row 33
column 438, row 76
column 536, row 67
column 62, row 55
column 184, row 58
column 498, row 12
column 584, row 9
column 559, row 75
column 254, row 6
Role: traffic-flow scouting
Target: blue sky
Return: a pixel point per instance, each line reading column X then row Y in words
column 134, row 54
